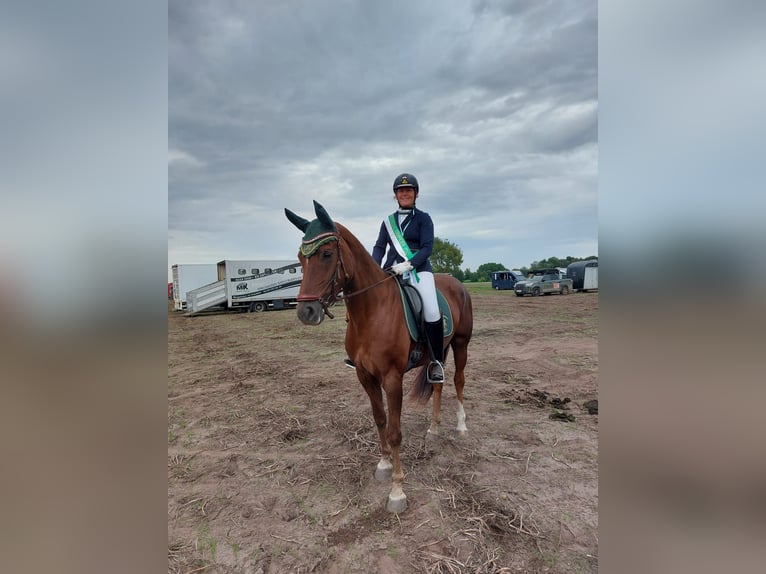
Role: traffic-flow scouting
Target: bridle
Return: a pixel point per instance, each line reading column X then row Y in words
column 332, row 289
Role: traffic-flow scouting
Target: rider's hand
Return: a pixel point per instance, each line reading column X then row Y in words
column 402, row 268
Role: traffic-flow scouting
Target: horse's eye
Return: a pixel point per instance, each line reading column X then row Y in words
column 326, row 254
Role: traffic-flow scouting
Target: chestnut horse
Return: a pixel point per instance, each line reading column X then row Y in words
column 336, row 266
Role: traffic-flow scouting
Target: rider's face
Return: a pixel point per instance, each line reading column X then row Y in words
column 406, row 197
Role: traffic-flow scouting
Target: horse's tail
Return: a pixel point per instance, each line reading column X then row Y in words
column 421, row 389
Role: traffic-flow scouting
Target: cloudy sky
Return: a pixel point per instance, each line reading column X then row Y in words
column 492, row 104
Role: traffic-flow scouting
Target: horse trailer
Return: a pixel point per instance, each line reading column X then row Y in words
column 187, row 277
column 584, row 274
column 249, row 285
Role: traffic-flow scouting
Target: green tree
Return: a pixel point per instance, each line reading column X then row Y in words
column 484, row 271
column 446, row 257
column 554, row 262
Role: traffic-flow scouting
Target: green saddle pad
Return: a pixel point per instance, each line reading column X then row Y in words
column 412, row 325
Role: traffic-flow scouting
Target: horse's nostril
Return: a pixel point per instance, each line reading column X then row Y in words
column 310, row 313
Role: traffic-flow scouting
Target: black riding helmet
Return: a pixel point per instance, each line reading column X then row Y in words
column 406, row 180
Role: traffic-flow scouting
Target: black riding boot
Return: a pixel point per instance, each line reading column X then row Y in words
column 435, row 334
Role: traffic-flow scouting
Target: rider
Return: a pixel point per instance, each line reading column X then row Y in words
column 409, row 236
column 411, row 261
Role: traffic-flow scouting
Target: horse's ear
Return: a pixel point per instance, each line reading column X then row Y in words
column 323, row 216
column 297, row 220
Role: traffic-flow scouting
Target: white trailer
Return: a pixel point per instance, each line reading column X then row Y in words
column 584, row 274
column 590, row 281
column 187, row 277
column 249, row 285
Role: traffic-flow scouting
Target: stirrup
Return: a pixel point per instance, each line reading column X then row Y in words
column 349, row 363
column 435, row 373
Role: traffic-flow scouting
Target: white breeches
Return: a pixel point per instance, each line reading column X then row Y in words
column 427, row 290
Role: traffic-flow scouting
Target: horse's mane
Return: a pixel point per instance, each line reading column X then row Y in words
column 362, row 258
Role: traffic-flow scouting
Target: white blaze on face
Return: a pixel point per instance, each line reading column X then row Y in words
column 461, row 418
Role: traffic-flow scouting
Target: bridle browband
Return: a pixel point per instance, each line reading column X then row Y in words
column 332, row 289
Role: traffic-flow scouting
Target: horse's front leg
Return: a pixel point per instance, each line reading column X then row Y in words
column 384, row 469
column 397, row 500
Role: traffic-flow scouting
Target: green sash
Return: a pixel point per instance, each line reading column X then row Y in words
column 402, row 248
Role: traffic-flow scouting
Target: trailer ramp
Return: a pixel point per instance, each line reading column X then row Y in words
column 205, row 297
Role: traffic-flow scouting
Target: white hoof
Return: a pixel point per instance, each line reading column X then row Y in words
column 397, row 504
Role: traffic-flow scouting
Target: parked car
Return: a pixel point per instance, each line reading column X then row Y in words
column 543, row 285
column 505, row 279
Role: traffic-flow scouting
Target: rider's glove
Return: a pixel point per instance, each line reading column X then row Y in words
column 402, row 268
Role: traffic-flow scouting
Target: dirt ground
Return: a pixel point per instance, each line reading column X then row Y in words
column 272, row 448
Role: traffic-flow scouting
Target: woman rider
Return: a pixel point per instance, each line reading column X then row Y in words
column 409, row 236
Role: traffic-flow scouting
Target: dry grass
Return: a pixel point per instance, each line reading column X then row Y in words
column 272, row 449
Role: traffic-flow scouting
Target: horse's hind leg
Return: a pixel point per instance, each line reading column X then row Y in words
column 436, row 413
column 460, row 349
column 436, row 408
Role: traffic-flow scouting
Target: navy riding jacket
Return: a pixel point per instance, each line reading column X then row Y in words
column 418, row 231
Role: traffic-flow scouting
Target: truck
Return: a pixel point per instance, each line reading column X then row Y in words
column 249, row 285
column 543, row 284
column 189, row 276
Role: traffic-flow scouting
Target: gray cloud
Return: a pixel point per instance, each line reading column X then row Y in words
column 493, row 105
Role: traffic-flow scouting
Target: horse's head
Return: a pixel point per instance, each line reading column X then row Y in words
column 320, row 257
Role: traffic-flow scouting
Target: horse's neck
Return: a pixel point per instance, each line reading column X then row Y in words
column 366, row 273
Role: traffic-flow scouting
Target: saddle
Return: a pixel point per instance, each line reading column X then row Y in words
column 413, row 315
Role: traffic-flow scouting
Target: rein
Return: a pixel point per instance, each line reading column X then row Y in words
column 331, row 293
column 345, row 296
